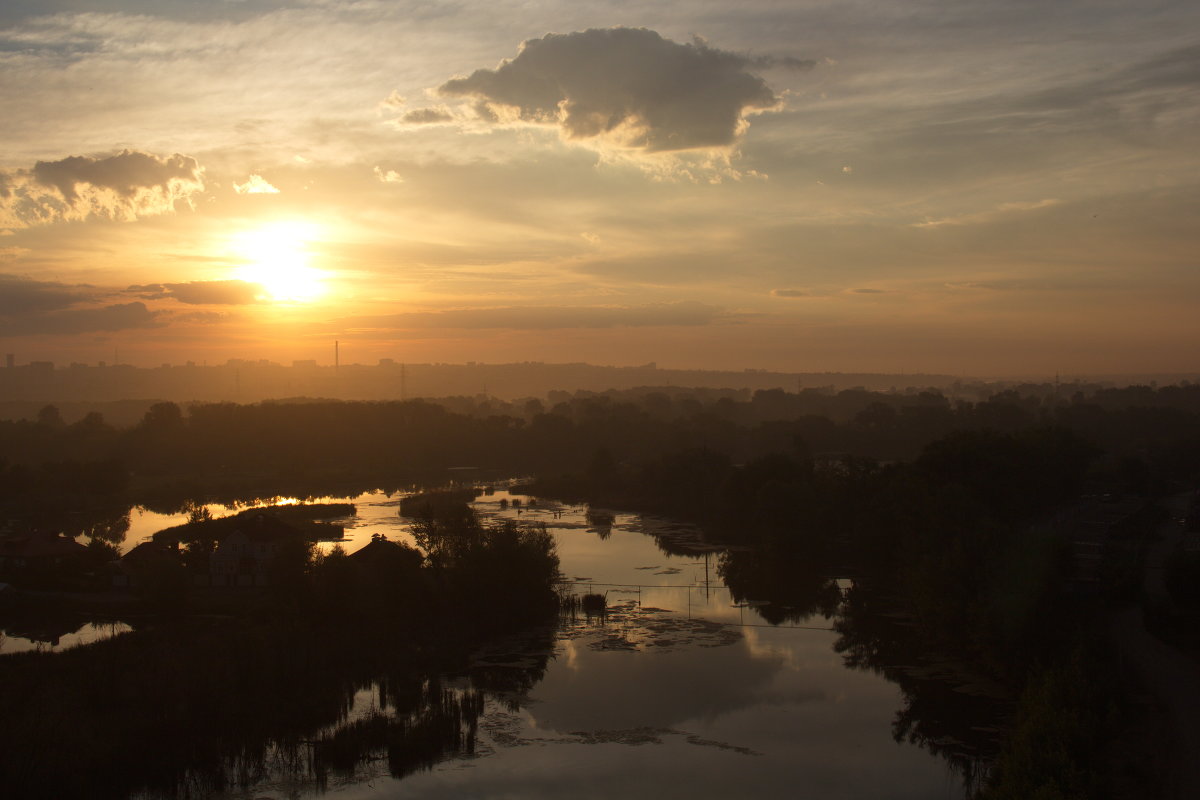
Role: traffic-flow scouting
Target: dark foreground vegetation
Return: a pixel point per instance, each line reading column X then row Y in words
column 195, row 703
column 997, row 536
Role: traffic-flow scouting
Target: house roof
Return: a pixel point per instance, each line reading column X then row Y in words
column 150, row 549
column 381, row 551
column 373, row 549
column 40, row 544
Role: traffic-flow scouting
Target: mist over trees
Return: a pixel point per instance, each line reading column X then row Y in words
column 1147, row 435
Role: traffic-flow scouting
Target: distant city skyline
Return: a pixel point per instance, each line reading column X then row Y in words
column 934, row 186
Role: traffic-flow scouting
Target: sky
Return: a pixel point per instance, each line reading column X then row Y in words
column 974, row 187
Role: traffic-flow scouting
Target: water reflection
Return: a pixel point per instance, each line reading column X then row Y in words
column 947, row 709
column 54, row 634
column 650, row 703
column 713, row 673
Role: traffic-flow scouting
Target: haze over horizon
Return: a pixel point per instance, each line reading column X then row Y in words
column 973, row 188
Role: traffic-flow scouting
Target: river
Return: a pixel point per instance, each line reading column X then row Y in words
column 680, row 689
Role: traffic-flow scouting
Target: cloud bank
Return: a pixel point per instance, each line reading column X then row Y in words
column 625, row 86
column 124, row 186
column 228, row 293
column 26, row 296
column 29, row 307
column 547, row 317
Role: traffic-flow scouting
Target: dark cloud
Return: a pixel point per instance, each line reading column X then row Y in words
column 549, row 317
column 27, row 296
column 124, row 316
column 868, row 291
column 228, row 293
column 785, row 62
column 791, row 293
column 126, row 185
column 174, row 9
column 125, row 173
column 427, row 116
column 30, row 307
column 626, row 84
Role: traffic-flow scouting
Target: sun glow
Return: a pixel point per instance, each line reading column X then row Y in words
column 276, row 257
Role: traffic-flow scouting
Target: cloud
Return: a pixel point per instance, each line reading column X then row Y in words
column 256, row 184
column 388, row 176
column 126, row 174
column 27, row 296
column 785, row 62
column 227, row 293
column 1014, row 285
column 683, row 313
column 394, row 100
column 29, row 307
column 1002, row 210
column 123, row 316
column 791, row 293
column 626, row 86
column 427, row 116
column 124, row 186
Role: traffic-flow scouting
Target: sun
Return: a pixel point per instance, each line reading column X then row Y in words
column 276, row 257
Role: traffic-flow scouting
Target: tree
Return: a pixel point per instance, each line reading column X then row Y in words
column 49, row 417
column 163, row 417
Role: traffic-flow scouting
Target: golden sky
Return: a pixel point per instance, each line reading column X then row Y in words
column 972, row 187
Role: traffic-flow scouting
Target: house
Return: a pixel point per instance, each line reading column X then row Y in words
column 243, row 557
column 381, row 553
column 145, row 559
column 39, row 552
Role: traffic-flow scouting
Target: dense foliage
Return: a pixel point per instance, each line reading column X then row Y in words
column 1150, row 435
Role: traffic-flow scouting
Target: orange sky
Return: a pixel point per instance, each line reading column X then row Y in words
column 973, row 188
